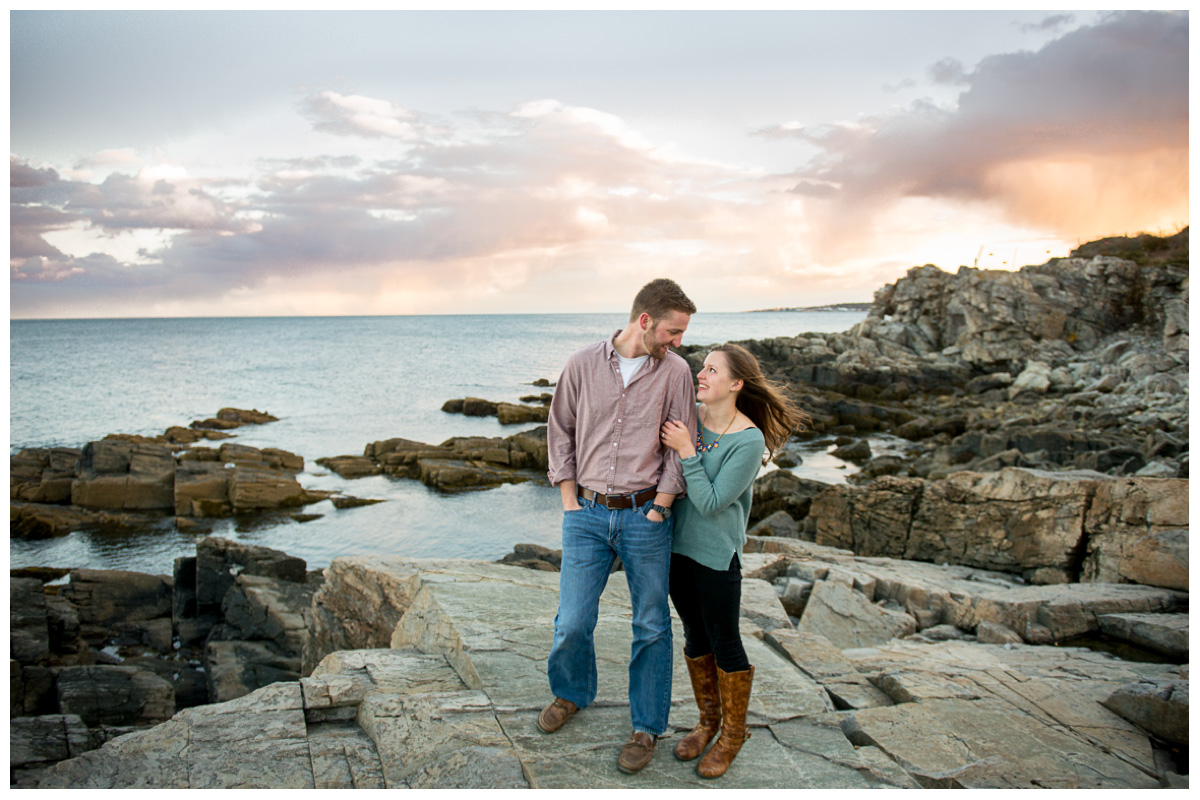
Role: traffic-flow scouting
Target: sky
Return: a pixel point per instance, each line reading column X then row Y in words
column 174, row 164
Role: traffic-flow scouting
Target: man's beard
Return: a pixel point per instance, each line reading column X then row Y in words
column 657, row 351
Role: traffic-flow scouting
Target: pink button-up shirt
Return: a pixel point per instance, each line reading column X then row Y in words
column 605, row 435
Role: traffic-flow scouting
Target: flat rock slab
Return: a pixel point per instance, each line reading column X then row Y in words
column 453, row 704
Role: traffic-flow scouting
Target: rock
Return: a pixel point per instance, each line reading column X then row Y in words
column 1160, row 707
column 459, row 463
column 351, row 466
column 780, row 490
column 778, row 524
column 761, row 606
column 115, row 695
column 259, row 607
column 1137, row 532
column 1162, row 633
column 449, row 704
column 859, row 452
column 117, row 474
column 822, row 661
column 533, row 556
column 341, row 503
column 793, row 595
column 46, row 739
column 848, row 619
column 253, row 489
column 1034, row 378
column 218, row 561
column 991, row 633
column 511, row 414
column 475, row 407
column 28, row 632
column 107, row 597
column 1020, row 520
column 237, row 668
column 883, row 465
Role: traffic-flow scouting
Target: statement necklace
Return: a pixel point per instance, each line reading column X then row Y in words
column 704, row 448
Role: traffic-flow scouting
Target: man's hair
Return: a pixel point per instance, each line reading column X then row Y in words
column 658, row 298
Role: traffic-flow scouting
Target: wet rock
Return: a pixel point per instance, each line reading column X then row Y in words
column 512, row 414
column 859, row 452
column 351, row 466
column 345, row 502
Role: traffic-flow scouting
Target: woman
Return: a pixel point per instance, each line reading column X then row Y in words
column 743, row 420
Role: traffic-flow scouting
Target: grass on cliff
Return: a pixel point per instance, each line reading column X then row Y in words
column 1146, row 249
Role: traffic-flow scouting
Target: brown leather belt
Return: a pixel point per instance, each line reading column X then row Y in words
column 611, row 501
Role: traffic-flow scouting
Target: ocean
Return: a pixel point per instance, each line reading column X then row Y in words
column 336, row 384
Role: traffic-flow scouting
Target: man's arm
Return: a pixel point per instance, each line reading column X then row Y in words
column 560, row 437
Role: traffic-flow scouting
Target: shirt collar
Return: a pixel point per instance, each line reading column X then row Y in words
column 610, row 352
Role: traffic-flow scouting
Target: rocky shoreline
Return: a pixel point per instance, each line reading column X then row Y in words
column 922, row 619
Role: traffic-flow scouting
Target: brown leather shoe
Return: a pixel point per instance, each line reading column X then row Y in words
column 735, row 698
column 703, row 672
column 637, row 752
column 555, row 715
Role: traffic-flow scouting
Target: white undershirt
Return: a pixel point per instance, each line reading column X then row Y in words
column 630, row 366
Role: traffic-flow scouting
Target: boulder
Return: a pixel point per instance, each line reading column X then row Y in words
column 351, row 466
column 237, row 668
column 778, row 524
column 1160, row 707
column 115, row 695
column 218, row 561
column 534, row 556
column 780, row 490
column 46, row 739
column 512, row 414
column 107, row 597
column 28, row 632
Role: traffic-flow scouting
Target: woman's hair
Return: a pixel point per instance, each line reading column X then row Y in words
column 761, row 400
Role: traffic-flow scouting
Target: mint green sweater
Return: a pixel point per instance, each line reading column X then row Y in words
column 710, row 520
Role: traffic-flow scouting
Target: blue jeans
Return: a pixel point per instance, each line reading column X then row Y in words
column 591, row 539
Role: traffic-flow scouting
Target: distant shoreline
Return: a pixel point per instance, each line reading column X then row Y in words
column 835, row 307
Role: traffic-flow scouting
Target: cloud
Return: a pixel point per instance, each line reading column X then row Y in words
column 1086, row 136
column 497, row 201
column 358, row 115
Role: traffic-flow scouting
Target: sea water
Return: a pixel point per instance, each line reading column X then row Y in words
column 336, row 384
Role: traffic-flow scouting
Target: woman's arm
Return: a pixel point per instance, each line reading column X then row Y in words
column 738, row 470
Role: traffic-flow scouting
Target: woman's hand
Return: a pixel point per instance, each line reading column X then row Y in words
column 676, row 436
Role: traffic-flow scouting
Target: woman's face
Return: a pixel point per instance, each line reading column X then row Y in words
column 714, row 379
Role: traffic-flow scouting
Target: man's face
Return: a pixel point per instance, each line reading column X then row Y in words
column 665, row 333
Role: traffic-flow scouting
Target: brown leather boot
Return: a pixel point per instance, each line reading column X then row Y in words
column 735, row 698
column 703, row 672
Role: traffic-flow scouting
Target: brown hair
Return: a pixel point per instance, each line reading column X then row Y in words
column 761, row 400
column 658, row 298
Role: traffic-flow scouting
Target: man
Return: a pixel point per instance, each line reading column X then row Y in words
column 618, row 483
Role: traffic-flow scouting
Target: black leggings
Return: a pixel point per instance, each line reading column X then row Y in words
column 708, row 602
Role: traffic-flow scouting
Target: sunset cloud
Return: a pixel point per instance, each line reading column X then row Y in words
column 357, row 201
column 1086, row 136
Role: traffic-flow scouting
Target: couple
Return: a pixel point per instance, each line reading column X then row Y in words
column 624, row 445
